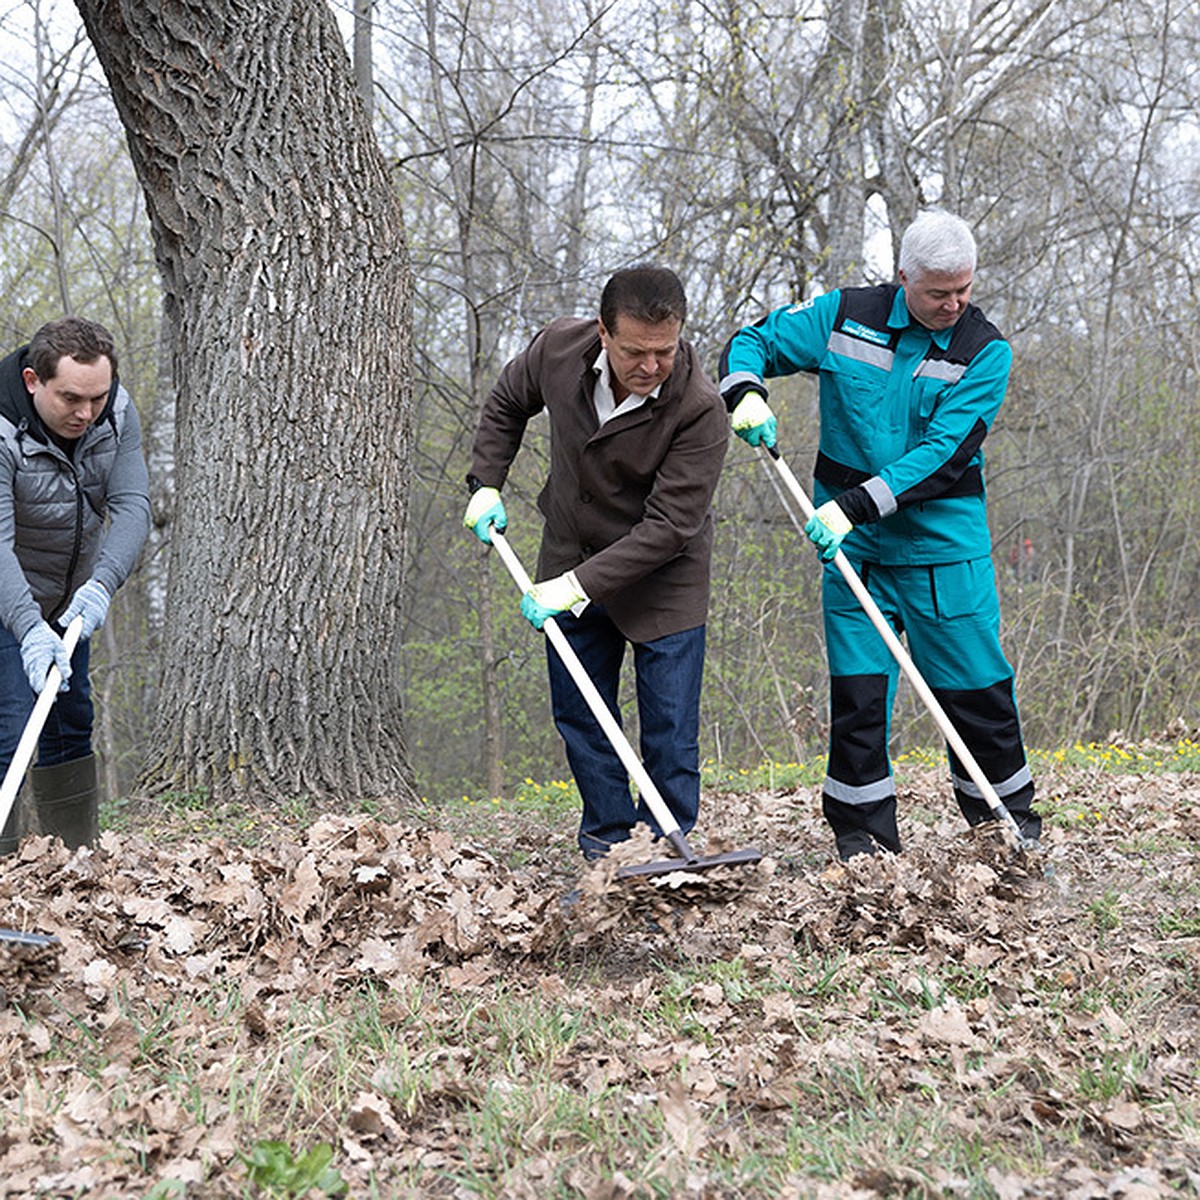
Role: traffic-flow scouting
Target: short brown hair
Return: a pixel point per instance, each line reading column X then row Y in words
column 72, row 337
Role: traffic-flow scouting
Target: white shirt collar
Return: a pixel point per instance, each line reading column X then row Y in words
column 602, row 396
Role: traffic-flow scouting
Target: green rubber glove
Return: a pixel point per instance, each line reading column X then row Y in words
column 753, row 421
column 485, row 509
column 827, row 529
column 551, row 597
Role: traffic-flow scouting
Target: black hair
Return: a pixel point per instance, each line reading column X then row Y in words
column 645, row 293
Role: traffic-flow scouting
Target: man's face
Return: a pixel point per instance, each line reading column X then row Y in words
column 640, row 354
column 74, row 398
column 938, row 298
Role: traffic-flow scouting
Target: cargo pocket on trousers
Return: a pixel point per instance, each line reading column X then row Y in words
column 964, row 590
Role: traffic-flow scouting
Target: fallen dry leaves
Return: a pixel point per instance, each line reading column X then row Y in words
column 1035, row 941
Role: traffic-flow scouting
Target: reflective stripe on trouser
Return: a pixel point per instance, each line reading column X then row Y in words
column 859, row 796
column 950, row 617
column 986, row 719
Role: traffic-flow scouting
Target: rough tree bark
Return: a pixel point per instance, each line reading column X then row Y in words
column 288, row 294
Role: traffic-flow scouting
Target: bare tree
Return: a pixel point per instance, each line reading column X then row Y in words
column 39, row 97
column 489, row 115
column 287, row 292
column 55, row 86
column 742, row 143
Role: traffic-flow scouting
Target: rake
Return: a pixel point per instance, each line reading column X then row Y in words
column 687, row 859
column 21, row 759
column 953, row 739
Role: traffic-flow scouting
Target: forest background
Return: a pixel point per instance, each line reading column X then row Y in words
column 767, row 154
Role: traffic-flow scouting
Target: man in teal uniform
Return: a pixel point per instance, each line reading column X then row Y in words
column 911, row 378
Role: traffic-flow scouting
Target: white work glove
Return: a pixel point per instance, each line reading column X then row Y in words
column 551, row 597
column 41, row 649
column 91, row 602
column 827, row 529
column 753, row 421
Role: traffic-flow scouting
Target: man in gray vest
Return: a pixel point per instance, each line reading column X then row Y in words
column 74, row 513
column 911, row 376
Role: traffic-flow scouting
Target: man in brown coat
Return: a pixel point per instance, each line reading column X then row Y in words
column 638, row 435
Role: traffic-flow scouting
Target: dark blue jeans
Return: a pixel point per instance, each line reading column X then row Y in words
column 668, row 672
column 67, row 734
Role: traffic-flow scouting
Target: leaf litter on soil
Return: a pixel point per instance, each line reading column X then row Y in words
column 1038, row 948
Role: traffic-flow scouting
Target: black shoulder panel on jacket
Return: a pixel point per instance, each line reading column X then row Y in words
column 972, row 332
column 870, row 306
column 723, row 357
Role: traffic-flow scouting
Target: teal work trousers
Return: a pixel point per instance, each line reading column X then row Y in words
column 949, row 616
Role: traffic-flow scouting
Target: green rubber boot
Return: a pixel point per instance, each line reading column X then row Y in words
column 67, row 796
column 12, row 830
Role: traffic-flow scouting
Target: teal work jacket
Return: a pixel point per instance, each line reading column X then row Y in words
column 904, row 411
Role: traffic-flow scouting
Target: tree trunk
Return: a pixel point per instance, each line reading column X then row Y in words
column 847, row 182
column 286, row 281
column 47, row 121
column 466, row 179
column 364, row 69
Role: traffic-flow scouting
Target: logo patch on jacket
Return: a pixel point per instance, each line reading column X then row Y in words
column 855, row 329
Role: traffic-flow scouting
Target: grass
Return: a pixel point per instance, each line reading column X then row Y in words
column 659, row 1065
column 1179, row 925
column 1122, row 758
column 1105, row 911
column 500, row 1072
column 557, row 796
column 194, row 815
column 552, row 800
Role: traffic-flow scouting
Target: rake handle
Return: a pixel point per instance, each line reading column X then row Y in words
column 23, row 754
column 616, row 736
column 902, row 657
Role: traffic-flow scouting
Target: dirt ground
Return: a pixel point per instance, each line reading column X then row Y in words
column 1080, row 959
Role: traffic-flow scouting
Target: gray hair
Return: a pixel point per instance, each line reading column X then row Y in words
column 937, row 241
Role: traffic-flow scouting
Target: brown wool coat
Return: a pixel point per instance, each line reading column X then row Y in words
column 626, row 506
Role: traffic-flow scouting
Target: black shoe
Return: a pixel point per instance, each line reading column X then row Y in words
column 851, row 844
